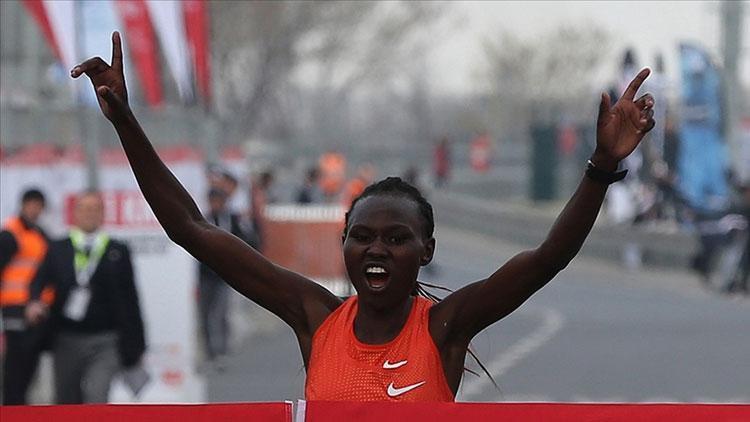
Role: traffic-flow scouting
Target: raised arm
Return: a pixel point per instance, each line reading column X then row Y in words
column 298, row 301
column 469, row 310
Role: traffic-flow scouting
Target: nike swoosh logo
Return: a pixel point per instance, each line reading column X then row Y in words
column 395, row 392
column 388, row 365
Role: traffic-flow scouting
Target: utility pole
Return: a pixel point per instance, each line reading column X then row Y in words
column 731, row 40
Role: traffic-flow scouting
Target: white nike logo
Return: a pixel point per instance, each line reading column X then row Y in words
column 388, row 365
column 395, row 392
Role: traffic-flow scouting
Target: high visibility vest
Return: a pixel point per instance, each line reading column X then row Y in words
column 15, row 280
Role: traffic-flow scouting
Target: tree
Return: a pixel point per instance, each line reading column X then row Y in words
column 538, row 79
column 260, row 48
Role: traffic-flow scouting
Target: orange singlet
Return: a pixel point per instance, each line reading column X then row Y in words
column 407, row 368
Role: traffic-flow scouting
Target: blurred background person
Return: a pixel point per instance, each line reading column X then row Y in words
column 310, row 192
column 23, row 245
column 332, row 166
column 354, row 187
column 213, row 293
column 442, row 162
column 260, row 197
column 96, row 317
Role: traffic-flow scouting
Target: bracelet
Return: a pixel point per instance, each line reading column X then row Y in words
column 602, row 176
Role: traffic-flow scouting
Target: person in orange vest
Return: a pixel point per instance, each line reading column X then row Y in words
column 22, row 248
column 333, row 169
column 355, row 187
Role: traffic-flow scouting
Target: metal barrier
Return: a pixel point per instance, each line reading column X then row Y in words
column 319, row 256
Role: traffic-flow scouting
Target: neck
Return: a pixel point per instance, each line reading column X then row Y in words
column 88, row 232
column 377, row 325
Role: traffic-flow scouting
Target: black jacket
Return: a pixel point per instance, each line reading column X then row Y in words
column 114, row 301
column 231, row 223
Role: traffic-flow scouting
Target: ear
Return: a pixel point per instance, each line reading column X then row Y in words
column 429, row 251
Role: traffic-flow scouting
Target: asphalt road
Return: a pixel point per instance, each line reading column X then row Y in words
column 595, row 334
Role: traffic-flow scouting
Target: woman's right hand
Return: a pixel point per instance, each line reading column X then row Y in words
column 108, row 81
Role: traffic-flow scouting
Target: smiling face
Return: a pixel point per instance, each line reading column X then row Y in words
column 384, row 247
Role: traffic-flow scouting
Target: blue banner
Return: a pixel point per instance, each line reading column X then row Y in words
column 702, row 161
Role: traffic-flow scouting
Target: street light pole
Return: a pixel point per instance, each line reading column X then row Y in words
column 731, row 39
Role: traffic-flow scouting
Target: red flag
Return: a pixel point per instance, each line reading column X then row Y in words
column 139, row 34
column 196, row 29
column 39, row 12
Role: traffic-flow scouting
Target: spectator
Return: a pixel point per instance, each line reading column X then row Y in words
column 260, row 197
column 442, row 162
column 355, row 187
column 310, row 192
column 213, row 292
column 22, row 248
column 95, row 316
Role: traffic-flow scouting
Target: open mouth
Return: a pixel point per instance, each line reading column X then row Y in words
column 377, row 277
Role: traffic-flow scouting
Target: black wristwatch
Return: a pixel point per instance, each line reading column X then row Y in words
column 602, row 176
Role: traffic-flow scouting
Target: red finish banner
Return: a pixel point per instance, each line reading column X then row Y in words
column 141, row 44
column 517, row 412
column 270, row 412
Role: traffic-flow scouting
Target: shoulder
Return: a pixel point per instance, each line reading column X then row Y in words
column 7, row 236
column 118, row 244
column 117, row 249
column 61, row 243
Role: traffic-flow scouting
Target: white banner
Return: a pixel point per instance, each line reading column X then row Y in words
column 62, row 20
column 165, row 273
column 169, row 24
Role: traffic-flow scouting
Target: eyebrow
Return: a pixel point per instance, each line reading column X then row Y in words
column 395, row 226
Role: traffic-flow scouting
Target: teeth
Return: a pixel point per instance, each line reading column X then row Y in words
column 375, row 270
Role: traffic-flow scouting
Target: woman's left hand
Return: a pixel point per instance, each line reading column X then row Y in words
column 620, row 128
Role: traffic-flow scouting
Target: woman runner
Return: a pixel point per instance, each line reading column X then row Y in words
column 385, row 343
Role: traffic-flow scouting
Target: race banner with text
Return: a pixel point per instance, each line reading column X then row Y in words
column 268, row 412
column 518, row 412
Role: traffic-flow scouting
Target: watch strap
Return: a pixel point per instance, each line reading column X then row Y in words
column 602, row 176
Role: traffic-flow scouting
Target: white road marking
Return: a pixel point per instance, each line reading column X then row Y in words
column 552, row 322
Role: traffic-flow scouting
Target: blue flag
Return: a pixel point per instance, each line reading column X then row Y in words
column 702, row 161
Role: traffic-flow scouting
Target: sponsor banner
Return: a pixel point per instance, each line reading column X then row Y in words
column 269, row 412
column 165, row 273
column 61, row 16
column 197, row 30
column 518, row 412
column 95, row 22
column 702, row 162
column 39, row 12
column 141, row 46
column 169, row 23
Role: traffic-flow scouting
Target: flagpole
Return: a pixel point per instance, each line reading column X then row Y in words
column 87, row 135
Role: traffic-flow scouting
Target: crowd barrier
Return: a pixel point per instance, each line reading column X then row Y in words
column 381, row 411
column 319, row 256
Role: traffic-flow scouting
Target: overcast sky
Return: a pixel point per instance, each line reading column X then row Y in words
column 647, row 26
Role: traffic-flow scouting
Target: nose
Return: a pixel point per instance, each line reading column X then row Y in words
column 377, row 248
